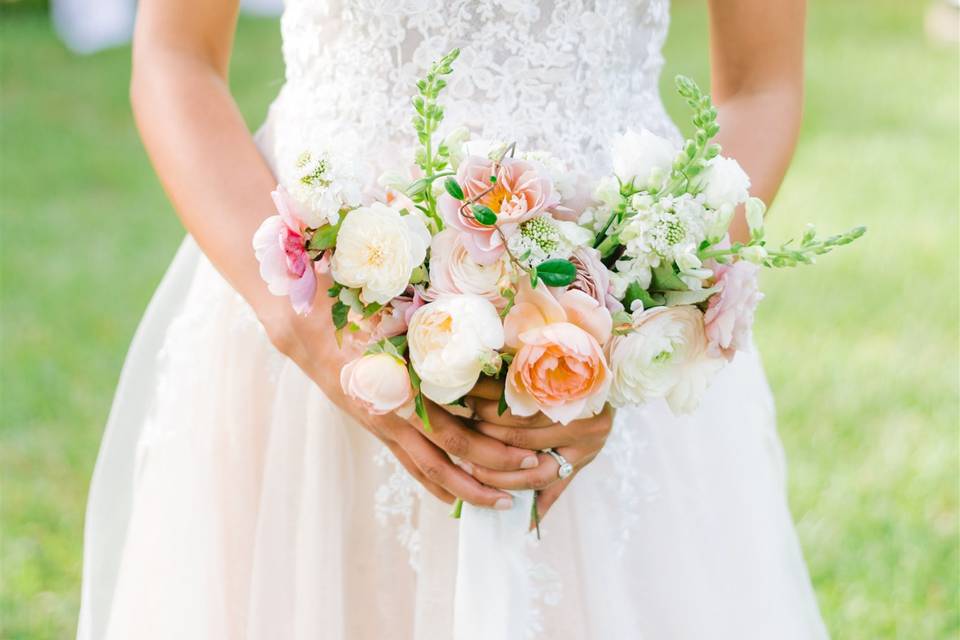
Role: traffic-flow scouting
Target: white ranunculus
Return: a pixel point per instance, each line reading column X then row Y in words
column 450, row 341
column 642, row 156
column 377, row 250
column 665, row 356
column 725, row 183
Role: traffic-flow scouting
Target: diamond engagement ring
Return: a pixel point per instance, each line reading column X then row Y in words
column 565, row 467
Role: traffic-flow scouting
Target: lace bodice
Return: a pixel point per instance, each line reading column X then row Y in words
column 562, row 76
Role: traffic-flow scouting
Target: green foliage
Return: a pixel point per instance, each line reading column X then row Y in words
column 557, row 272
column 860, row 352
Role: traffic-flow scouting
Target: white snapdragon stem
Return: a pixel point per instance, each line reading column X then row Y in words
column 494, row 591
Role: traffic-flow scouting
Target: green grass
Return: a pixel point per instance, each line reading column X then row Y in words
column 861, row 351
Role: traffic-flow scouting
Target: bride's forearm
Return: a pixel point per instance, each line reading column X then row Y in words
column 760, row 130
column 756, row 68
column 206, row 160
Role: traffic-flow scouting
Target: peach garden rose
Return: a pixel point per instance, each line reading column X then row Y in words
column 559, row 367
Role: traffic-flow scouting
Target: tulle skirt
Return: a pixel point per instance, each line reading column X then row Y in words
column 232, row 499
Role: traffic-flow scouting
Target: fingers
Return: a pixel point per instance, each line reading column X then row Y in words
column 489, row 411
column 442, row 494
column 548, row 497
column 437, row 468
column 538, row 478
column 453, row 436
column 487, row 389
column 551, row 437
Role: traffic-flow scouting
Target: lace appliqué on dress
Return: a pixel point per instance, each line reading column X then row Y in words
column 624, row 450
column 562, row 76
column 395, row 501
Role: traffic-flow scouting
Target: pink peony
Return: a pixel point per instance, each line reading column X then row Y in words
column 279, row 245
column 559, row 367
column 379, row 382
column 593, row 278
column 520, row 192
column 729, row 317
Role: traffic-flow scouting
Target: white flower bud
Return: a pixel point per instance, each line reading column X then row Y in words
column 755, row 211
column 753, row 253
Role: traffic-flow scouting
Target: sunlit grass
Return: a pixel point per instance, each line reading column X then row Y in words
column 861, row 351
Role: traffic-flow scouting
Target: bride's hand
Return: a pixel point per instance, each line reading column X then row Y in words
column 578, row 442
column 310, row 342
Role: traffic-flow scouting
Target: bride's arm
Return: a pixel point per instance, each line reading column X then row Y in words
column 220, row 187
column 756, row 62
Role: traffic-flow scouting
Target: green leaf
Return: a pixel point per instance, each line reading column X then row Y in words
column 678, row 298
column 484, row 215
column 533, row 278
column 334, row 291
column 664, row 279
column 371, row 309
column 636, row 292
column 557, row 272
column 400, row 342
column 421, row 410
column 340, row 311
column 453, row 188
column 502, row 404
column 324, row 237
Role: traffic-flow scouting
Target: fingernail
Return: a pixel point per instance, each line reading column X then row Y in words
column 529, row 462
column 503, row 504
column 466, row 466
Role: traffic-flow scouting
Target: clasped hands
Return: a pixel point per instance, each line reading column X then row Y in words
column 492, row 452
column 476, row 459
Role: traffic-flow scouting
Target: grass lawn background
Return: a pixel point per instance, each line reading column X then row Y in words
column 861, row 351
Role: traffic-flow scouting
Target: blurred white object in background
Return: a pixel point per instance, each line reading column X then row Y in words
column 943, row 21
column 86, row 26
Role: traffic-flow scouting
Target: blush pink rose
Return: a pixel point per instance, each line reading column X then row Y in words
column 379, row 382
column 728, row 320
column 521, row 191
column 559, row 367
column 593, row 277
column 279, row 245
column 454, row 271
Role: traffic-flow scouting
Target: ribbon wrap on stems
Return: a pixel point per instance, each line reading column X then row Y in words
column 494, row 592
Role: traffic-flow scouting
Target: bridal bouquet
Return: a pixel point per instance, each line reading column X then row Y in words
column 488, row 260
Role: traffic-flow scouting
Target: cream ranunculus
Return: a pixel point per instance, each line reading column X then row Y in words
column 725, row 183
column 450, row 341
column 642, row 157
column 665, row 356
column 379, row 382
column 377, row 250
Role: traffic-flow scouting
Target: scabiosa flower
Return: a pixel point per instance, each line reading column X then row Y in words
column 544, row 238
column 667, row 228
column 322, row 183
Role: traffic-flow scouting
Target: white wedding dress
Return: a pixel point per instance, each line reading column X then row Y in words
column 231, row 499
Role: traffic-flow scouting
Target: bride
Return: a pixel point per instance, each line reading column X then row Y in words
column 239, row 494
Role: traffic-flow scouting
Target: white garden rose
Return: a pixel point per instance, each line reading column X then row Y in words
column 377, row 250
column 450, row 341
column 725, row 183
column 665, row 356
column 642, row 157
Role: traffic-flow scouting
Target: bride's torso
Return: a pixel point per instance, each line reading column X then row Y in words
column 561, row 76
